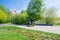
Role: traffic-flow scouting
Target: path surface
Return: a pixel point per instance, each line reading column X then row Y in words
column 51, row 29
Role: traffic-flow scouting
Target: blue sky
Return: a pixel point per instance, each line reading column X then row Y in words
column 22, row 4
column 15, row 4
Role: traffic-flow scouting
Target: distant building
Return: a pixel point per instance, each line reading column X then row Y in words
column 13, row 12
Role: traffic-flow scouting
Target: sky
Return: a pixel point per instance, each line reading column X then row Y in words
column 22, row 4
column 53, row 3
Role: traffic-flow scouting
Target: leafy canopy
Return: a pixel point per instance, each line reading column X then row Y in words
column 3, row 17
column 35, row 9
column 50, row 15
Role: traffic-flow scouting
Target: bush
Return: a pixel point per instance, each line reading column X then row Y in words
column 3, row 17
column 19, row 19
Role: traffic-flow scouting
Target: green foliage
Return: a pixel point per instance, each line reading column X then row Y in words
column 4, row 9
column 3, row 14
column 50, row 15
column 3, row 17
column 35, row 9
column 20, row 18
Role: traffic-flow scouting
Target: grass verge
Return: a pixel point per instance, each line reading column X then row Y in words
column 15, row 33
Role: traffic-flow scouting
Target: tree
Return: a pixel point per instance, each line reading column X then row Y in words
column 4, row 9
column 50, row 15
column 24, row 17
column 24, row 13
column 3, row 17
column 20, row 18
column 34, row 9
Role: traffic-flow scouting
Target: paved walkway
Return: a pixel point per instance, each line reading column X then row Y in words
column 51, row 29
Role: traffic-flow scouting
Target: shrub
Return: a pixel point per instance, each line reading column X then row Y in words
column 19, row 19
column 3, row 17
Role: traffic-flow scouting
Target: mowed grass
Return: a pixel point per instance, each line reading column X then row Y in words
column 15, row 33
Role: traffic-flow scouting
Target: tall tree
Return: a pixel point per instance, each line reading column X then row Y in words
column 35, row 9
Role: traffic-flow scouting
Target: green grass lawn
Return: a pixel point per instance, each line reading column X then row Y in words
column 15, row 33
